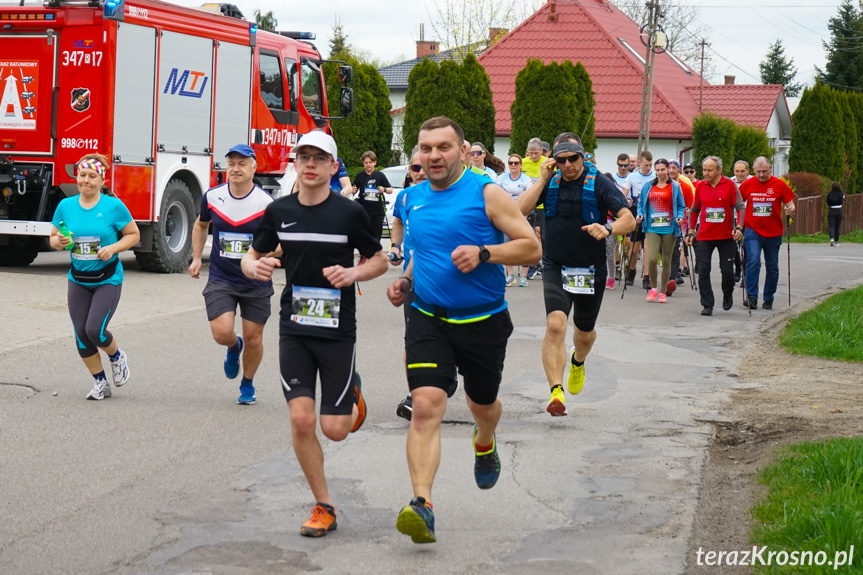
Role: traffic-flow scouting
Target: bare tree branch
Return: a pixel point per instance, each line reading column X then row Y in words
column 681, row 24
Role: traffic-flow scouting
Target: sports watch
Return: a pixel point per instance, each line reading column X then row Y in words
column 484, row 254
column 608, row 227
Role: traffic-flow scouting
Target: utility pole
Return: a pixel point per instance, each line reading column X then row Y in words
column 647, row 87
column 701, row 74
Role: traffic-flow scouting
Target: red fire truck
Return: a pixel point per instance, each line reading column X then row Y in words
column 162, row 90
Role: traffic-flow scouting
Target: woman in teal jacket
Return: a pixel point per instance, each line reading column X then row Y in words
column 660, row 213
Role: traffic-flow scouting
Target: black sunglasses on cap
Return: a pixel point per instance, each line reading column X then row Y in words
column 416, row 167
column 564, row 159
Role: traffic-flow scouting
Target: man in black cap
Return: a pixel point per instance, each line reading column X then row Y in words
column 574, row 271
column 235, row 209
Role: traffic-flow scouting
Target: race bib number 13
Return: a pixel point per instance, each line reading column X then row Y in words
column 578, row 280
column 315, row 306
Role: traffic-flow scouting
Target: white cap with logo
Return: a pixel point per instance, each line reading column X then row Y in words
column 320, row 140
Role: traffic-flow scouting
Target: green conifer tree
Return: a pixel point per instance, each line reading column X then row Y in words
column 844, row 69
column 777, row 69
column 713, row 135
column 547, row 102
column 369, row 127
column 817, row 137
column 751, row 142
column 462, row 92
column 587, row 103
column 851, row 148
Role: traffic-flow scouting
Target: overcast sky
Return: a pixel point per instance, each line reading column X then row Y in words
column 740, row 31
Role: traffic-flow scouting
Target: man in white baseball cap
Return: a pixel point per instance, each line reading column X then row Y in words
column 318, row 232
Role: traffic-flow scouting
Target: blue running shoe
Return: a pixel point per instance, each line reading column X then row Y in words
column 417, row 520
column 232, row 361
column 247, row 395
column 531, row 272
column 486, row 467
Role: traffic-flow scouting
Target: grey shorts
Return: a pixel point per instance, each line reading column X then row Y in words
column 222, row 297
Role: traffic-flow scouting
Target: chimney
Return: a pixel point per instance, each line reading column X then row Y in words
column 426, row 47
column 495, row 34
column 552, row 15
column 729, row 80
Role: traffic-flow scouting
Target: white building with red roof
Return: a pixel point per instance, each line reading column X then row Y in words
column 606, row 41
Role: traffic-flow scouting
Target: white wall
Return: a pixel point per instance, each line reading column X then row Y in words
column 607, row 150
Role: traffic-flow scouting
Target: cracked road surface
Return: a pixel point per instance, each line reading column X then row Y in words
column 171, row 477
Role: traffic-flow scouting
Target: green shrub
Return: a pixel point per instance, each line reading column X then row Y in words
column 713, row 135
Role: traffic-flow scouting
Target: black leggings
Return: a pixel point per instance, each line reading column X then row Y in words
column 91, row 308
column 834, row 222
column 377, row 224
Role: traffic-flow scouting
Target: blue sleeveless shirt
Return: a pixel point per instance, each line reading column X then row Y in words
column 437, row 222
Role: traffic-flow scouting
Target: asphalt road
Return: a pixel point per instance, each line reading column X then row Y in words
column 170, row 476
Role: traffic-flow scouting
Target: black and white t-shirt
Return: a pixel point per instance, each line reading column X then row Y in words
column 368, row 195
column 234, row 223
column 313, row 238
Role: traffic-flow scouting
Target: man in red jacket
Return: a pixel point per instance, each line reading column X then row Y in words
column 716, row 199
column 764, row 195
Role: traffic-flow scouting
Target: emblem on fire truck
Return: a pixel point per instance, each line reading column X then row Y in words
column 80, row 99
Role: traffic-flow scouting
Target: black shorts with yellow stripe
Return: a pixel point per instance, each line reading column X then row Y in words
column 436, row 348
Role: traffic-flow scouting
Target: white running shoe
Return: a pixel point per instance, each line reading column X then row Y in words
column 120, row 369
column 101, row 390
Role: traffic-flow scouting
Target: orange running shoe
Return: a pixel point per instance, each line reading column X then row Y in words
column 323, row 520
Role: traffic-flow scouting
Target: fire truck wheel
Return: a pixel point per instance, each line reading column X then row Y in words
column 172, row 235
column 20, row 251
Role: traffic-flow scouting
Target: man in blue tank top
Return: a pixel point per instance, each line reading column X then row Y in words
column 455, row 223
column 574, row 273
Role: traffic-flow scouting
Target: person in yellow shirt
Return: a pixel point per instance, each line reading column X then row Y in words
column 533, row 159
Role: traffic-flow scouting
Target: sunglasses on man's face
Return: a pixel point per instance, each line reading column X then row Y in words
column 688, row 172
column 564, row 159
column 477, row 153
column 416, row 167
column 626, row 165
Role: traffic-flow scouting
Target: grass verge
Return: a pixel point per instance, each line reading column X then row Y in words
column 832, row 330
column 814, row 503
column 855, row 237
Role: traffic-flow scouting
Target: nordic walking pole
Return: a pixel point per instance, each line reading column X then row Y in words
column 788, row 233
column 742, row 249
column 623, row 270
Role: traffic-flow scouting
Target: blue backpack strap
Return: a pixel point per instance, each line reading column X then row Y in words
column 551, row 196
column 589, row 205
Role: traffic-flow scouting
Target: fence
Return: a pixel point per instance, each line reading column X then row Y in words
column 811, row 216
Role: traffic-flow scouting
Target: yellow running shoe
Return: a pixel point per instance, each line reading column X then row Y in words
column 576, row 375
column 557, row 404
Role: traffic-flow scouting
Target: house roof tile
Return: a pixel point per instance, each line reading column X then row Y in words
column 590, row 31
column 748, row 104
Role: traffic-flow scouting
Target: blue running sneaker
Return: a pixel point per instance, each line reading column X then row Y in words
column 486, row 467
column 232, row 361
column 417, row 520
column 247, row 395
column 531, row 272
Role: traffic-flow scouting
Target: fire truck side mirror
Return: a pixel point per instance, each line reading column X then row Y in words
column 114, row 10
column 346, row 74
column 346, row 101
